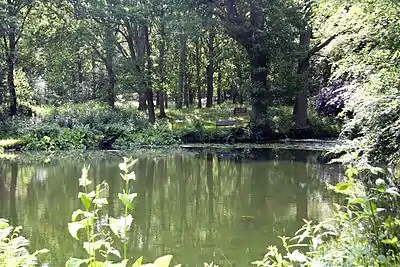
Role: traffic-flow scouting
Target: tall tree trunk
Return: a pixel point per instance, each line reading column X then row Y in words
column 142, row 102
column 149, row 89
column 300, row 115
column 210, row 69
column 158, row 98
column 111, row 86
column 182, row 67
column 260, row 95
column 110, row 68
column 198, row 78
column 2, row 87
column 162, row 72
column 10, row 73
column 219, row 88
column 79, row 64
column 166, row 99
column 94, row 80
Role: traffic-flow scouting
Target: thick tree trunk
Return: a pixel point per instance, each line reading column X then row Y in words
column 149, row 90
column 10, row 73
column 219, row 88
column 210, row 69
column 300, row 115
column 198, row 78
column 182, row 67
column 260, row 95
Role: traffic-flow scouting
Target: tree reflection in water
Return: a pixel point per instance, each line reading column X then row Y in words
column 203, row 206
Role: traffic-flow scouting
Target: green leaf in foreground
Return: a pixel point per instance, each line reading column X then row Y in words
column 138, row 262
column 341, row 187
column 74, row 227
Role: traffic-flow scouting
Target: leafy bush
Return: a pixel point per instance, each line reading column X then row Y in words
column 363, row 232
column 374, row 133
column 13, row 247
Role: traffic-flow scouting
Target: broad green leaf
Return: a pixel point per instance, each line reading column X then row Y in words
column 75, row 214
column 118, row 264
column 127, row 199
column 340, row 187
column 74, row 262
column 163, row 261
column 138, row 262
column 91, row 247
column 118, row 225
column 86, row 199
column 74, row 227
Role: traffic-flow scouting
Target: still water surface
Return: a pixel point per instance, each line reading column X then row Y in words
column 224, row 206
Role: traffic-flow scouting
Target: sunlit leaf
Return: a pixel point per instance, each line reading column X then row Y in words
column 391, row 242
column 138, row 262
column 75, row 214
column 74, row 227
column 86, row 199
column 297, row 256
column 3, row 223
column 118, row 225
column 340, row 187
column 74, row 262
column 163, row 261
column 357, row 201
column 91, row 247
column 127, row 199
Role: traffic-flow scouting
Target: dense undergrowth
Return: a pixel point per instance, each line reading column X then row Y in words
column 94, row 126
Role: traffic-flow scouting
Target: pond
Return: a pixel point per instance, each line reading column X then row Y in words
column 201, row 205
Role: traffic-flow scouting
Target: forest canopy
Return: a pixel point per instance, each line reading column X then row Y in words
column 337, row 58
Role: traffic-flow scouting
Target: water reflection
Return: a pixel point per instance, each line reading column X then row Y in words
column 205, row 206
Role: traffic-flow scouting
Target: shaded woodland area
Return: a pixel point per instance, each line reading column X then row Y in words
column 334, row 58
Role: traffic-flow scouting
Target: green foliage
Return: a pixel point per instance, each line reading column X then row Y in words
column 98, row 231
column 363, row 232
column 13, row 247
column 87, row 126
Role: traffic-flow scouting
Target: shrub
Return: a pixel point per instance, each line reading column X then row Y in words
column 363, row 232
column 13, row 247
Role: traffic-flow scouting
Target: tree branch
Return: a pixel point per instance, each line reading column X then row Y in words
column 23, row 23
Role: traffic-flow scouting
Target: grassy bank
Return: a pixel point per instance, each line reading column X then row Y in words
column 94, row 126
